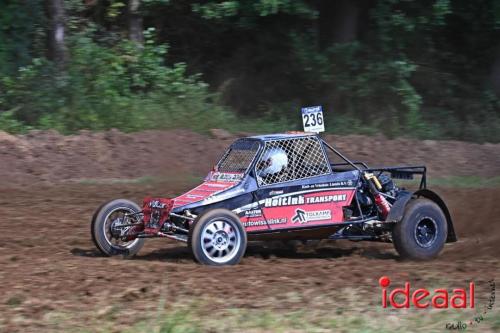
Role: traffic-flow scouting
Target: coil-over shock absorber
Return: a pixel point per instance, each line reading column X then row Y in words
column 375, row 188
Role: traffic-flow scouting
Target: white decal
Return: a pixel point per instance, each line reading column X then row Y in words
column 223, row 196
column 226, row 177
column 326, row 198
column 215, row 185
column 253, row 213
column 276, row 192
column 343, row 183
column 284, row 201
column 282, row 220
column 302, row 216
column 157, row 204
column 260, row 202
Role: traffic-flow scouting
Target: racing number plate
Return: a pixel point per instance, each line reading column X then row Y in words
column 312, row 118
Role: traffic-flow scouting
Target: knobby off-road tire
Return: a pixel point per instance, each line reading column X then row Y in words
column 217, row 238
column 422, row 232
column 101, row 231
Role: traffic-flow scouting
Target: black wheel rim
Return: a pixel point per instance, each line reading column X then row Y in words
column 426, row 232
column 112, row 217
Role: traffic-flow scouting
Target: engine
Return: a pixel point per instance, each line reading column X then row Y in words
column 376, row 194
column 388, row 186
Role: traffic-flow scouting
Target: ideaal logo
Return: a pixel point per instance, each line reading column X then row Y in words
column 458, row 298
column 421, row 298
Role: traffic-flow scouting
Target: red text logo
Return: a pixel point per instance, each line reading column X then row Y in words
column 459, row 298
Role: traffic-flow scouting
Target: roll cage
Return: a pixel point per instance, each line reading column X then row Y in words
column 245, row 154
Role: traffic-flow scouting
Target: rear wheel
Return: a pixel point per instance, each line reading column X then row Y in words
column 110, row 215
column 422, row 232
column 218, row 238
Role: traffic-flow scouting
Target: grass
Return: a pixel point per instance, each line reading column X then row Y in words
column 361, row 312
column 310, row 320
column 15, row 300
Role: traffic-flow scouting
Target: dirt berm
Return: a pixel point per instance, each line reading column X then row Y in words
column 48, row 157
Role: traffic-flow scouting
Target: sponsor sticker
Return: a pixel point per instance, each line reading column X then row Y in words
column 276, row 192
column 157, row 204
column 301, row 200
column 326, row 198
column 226, row 177
column 343, row 183
column 253, row 213
column 284, row 201
column 302, row 216
column 282, row 220
column 215, row 185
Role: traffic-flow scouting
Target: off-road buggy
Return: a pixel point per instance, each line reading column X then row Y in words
column 282, row 186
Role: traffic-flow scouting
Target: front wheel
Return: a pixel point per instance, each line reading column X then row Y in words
column 218, row 238
column 422, row 232
column 105, row 223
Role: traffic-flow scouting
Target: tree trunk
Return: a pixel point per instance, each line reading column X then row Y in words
column 135, row 29
column 495, row 73
column 338, row 21
column 57, row 48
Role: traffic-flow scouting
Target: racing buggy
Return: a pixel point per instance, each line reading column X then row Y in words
column 285, row 187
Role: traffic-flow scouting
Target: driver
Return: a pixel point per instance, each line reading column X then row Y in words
column 273, row 163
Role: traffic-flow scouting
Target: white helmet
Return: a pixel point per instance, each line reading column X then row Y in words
column 274, row 160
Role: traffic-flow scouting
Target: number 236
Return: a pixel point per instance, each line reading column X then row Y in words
column 313, row 119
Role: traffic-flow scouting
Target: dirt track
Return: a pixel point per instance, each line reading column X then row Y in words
column 53, row 279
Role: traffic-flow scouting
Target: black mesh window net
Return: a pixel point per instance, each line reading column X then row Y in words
column 239, row 156
column 291, row 159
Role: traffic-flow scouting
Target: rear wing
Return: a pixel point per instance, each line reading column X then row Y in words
column 397, row 172
column 404, row 172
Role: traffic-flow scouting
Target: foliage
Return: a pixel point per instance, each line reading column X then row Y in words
column 247, row 8
column 121, row 87
column 411, row 68
column 21, row 32
column 9, row 123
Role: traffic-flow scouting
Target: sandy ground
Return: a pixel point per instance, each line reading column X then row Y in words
column 53, row 279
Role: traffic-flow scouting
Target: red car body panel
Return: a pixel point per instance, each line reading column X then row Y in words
column 215, row 183
column 309, row 209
